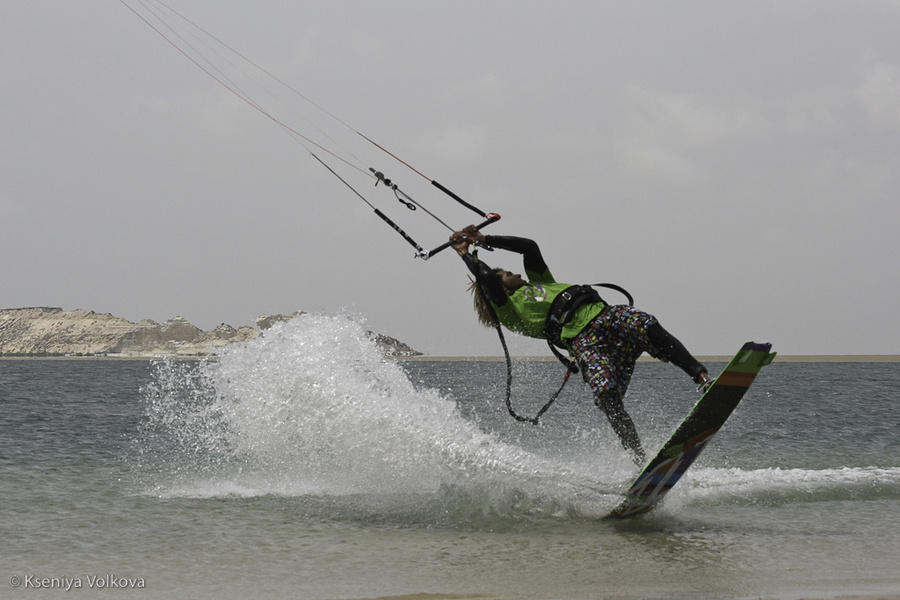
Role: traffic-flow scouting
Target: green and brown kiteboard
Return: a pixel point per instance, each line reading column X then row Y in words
column 695, row 432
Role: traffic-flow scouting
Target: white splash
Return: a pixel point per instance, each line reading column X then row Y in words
column 777, row 485
column 312, row 408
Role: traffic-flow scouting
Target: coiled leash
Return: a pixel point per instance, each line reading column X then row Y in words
column 569, row 300
column 509, row 408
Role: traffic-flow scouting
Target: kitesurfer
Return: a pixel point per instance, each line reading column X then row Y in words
column 605, row 340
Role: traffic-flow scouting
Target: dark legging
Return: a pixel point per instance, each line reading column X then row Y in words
column 669, row 349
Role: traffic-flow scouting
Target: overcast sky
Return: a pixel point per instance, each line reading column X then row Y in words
column 735, row 165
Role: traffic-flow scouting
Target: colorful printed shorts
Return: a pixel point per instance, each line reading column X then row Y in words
column 607, row 349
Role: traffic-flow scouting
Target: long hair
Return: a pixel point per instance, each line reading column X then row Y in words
column 483, row 309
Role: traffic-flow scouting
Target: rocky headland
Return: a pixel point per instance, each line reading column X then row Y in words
column 53, row 332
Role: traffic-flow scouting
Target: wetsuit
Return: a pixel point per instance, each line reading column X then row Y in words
column 605, row 340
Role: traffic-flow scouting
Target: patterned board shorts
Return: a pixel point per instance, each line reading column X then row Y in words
column 607, row 349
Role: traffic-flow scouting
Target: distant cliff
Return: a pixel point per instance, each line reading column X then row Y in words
column 50, row 332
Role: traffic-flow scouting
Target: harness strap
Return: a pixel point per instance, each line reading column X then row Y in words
column 564, row 306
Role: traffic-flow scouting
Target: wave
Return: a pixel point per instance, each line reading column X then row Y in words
column 311, row 408
column 777, row 486
column 311, row 411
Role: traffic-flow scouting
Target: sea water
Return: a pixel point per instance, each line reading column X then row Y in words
column 304, row 465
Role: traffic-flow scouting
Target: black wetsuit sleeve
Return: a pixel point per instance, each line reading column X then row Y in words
column 531, row 253
column 487, row 279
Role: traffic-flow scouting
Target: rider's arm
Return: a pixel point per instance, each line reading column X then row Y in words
column 531, row 254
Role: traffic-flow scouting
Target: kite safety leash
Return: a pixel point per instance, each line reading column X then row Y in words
column 535, row 420
column 552, row 341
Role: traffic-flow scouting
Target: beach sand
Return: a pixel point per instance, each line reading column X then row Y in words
column 702, row 358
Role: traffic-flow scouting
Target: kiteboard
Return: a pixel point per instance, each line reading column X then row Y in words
column 695, row 432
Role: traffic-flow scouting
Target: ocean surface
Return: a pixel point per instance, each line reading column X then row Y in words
column 303, row 465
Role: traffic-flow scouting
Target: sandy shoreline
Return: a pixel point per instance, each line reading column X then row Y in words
column 822, row 596
column 854, row 358
column 708, row 358
column 872, row 597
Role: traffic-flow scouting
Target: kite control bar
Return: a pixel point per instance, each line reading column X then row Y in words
column 411, row 204
column 491, row 217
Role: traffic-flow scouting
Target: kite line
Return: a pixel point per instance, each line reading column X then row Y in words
column 240, row 75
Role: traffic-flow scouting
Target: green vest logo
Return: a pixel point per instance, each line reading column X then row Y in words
column 535, row 293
